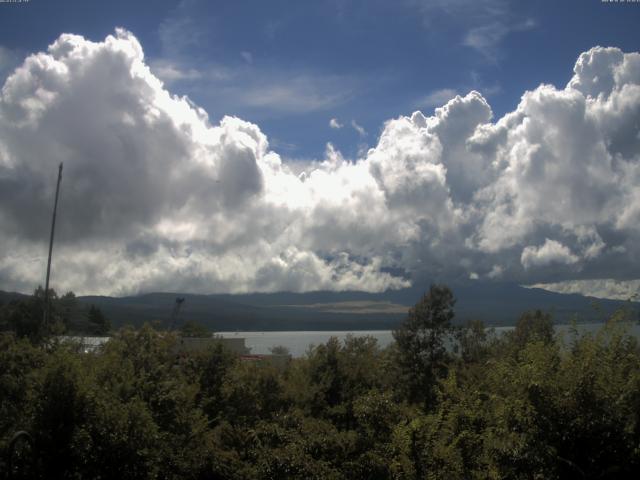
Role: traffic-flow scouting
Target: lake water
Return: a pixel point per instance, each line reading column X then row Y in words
column 298, row 342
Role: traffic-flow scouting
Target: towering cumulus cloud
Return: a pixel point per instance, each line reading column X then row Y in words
column 156, row 197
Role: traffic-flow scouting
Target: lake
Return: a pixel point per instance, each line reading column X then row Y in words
column 298, row 342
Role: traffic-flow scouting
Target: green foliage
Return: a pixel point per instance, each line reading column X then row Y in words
column 279, row 350
column 211, row 371
column 252, row 392
column 531, row 327
column 25, row 317
column 191, row 328
column 20, row 363
column 528, row 404
column 98, row 323
column 421, row 353
column 68, row 308
column 472, row 342
column 335, row 375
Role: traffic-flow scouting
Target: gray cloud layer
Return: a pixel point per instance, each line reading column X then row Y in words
column 155, row 197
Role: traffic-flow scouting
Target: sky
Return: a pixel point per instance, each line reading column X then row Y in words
column 244, row 146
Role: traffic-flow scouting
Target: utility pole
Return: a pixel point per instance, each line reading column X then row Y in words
column 53, row 226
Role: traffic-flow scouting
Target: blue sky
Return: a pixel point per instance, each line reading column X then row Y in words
column 291, row 66
column 310, row 169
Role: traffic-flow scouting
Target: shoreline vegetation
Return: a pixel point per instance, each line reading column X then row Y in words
column 527, row 403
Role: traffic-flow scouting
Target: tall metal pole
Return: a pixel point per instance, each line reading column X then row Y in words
column 53, row 226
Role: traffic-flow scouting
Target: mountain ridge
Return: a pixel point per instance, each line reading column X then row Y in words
column 496, row 304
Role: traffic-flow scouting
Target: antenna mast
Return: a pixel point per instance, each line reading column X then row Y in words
column 53, row 226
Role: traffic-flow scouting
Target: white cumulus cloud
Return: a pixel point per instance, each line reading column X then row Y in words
column 547, row 254
column 156, row 197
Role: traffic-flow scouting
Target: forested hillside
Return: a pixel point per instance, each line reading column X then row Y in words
column 496, row 304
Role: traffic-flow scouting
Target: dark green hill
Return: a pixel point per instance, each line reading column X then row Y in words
column 494, row 303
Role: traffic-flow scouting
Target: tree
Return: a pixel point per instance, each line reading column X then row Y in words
column 98, row 323
column 533, row 326
column 421, row 354
column 212, row 369
column 194, row 329
column 68, row 307
column 472, row 341
column 26, row 317
column 279, row 350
